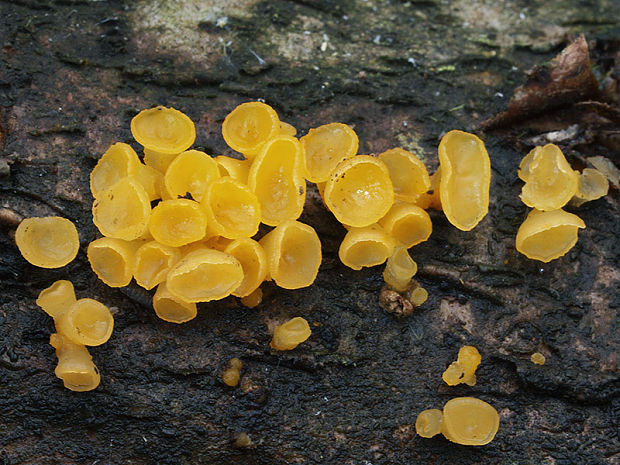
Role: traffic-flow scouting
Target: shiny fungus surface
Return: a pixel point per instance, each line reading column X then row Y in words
column 249, row 126
column 190, row 173
column 254, row 262
column 163, row 130
column 399, row 270
column 469, row 421
column 112, row 260
column 407, row 223
column 75, row 365
column 592, row 185
column 86, row 322
column 365, row 247
column 407, row 172
column 57, row 298
column 289, row 335
column 178, row 222
column 119, row 161
column 428, row 423
column 47, row 242
column 170, row 308
column 152, row 261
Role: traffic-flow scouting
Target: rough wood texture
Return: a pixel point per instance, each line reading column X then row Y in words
column 74, row 72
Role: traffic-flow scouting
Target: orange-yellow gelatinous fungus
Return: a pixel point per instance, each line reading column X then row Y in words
column 550, row 181
column 538, row 358
column 325, row 147
column 294, row 254
column 112, row 260
column 607, row 167
column 47, row 242
column 118, row 162
column 152, row 261
column 407, row 172
column 253, row 300
column 178, row 222
column 417, row 296
column 464, row 369
column 287, row 129
column 152, row 181
column 163, row 130
column 289, row 335
column 592, row 185
column 465, row 179
column 469, row 421
column 545, row 236
column 86, row 322
column 359, row 191
column 170, row 308
column 75, row 365
column 407, row 223
column 190, row 173
column 232, row 374
column 249, row 126
column 237, row 169
column 399, row 270
column 158, row 161
column 365, row 247
column 254, row 262
column 57, row 298
column 432, row 198
column 428, row 423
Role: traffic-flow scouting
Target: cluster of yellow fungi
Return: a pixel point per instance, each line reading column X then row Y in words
column 549, row 232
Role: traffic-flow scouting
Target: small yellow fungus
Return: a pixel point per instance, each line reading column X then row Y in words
column 172, row 309
column 152, row 261
column 551, row 182
column 538, row 358
column 399, row 270
column 232, row 209
column 86, row 322
column 294, row 254
column 204, row 275
column 365, row 247
column 428, row 423
column 237, row 169
column 75, row 365
column 325, row 147
column 118, row 162
column 287, row 129
column 178, row 222
column 432, row 198
column 524, row 167
column 163, row 130
column 254, row 299
column 407, row 223
column 232, row 374
column 249, row 126
column 359, row 191
column 190, row 173
column 592, row 185
column 407, row 172
column 417, row 296
column 47, row 242
column 253, row 260
column 289, row 335
column 464, row 369
column 548, row 235
column 123, row 210
column 469, row 421
column 158, row 161
column 465, row 179
column 57, row 298
column 112, row 260
column 152, row 181
column 607, row 167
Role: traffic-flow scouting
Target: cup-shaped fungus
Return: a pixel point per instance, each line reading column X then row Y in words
column 432, row 198
column 232, row 209
column 57, row 298
column 170, row 308
column 550, row 181
column 178, row 222
column 407, row 223
column 464, row 369
column 190, row 173
column 204, row 275
column 252, row 300
column 287, row 129
column 325, row 147
column 524, row 167
column 469, row 421
column 294, row 254
column 152, row 261
column 428, row 423
column 112, row 260
column 152, row 181
column 407, row 172
column 545, row 236
column 86, row 322
column 399, row 270
column 538, row 358
column 465, row 179
column 249, row 126
column 417, row 296
column 365, row 247
column 607, row 167
column 75, row 365
column 158, row 161
column 237, row 169
column 231, row 375
column 118, row 162
column 163, row 130
column 289, row 335
column 47, row 242
column 123, row 210
column 276, row 179
column 359, row 191
column 253, row 260
column 592, row 185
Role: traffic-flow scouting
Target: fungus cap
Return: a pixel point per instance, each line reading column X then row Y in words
column 152, row 261
column 289, row 335
column 75, row 365
column 178, row 222
column 158, row 161
column 47, row 242
column 190, row 173
column 592, row 185
column 172, row 309
column 365, row 247
column 428, row 423
column 254, row 262
column 57, row 298
column 112, row 260
column 237, row 169
column 607, row 167
column 407, row 223
column 249, row 126
column 417, row 296
column 407, row 172
column 119, row 161
column 86, row 322
column 163, row 130
column 469, row 421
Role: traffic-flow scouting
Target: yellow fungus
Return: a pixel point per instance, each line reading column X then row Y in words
column 551, row 182
column 294, row 254
column 237, row 169
column 287, row 129
column 232, row 374
column 86, row 322
column 118, row 162
column 364, row 247
column 172, row 309
column 592, row 185
column 204, row 275
column 607, row 167
column 408, row 174
column 417, row 296
column 232, row 209
column 163, row 130
column 465, row 179
column 469, row 421
column 359, row 191
column 253, row 260
column 123, row 210
column 538, row 358
column 75, row 365
column 249, row 126
column 254, row 299
column 158, row 161
column 112, row 260
column 464, row 369
column 524, row 167
column 400, row 269
column 178, row 222
column 428, row 423
column 545, row 236
column 432, row 198
column 190, row 173
column 47, row 242
column 152, row 181
column 152, row 261
column 57, row 298
column 276, row 179
column 407, row 223
column 289, row 335
column 325, row 147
